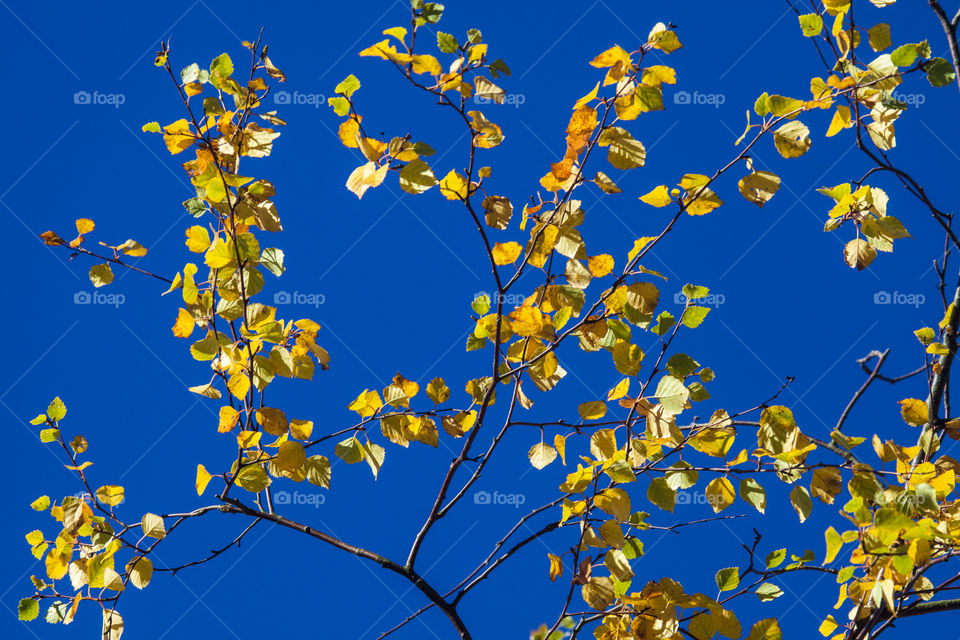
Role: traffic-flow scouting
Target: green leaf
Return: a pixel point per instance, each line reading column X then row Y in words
column 349, row 450
column 272, row 260
column 693, row 316
column 57, row 410
column 253, row 478
column 28, row 609
column 416, row 177
column 341, row 106
column 101, row 275
column 481, row 304
column 222, row 66
column 811, row 24
column 447, row 43
column 802, row 504
column 752, row 492
column 768, row 591
column 660, row 494
column 348, row 86
column 775, row 558
column 940, row 73
column 728, row 578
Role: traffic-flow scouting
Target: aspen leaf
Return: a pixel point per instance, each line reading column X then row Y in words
column 506, row 252
column 152, row 526
column 101, row 275
column 541, row 455
column 659, row 197
column 203, row 478
column 720, row 494
column 914, row 412
column 593, row 410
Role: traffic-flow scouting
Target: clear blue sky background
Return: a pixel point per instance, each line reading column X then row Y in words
column 396, row 274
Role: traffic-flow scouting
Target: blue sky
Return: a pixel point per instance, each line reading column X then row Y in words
column 390, row 279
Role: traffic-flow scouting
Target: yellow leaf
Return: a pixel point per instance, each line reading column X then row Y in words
column 720, row 494
column 84, row 225
column 620, row 390
column 506, row 252
column 228, row 419
column 556, row 566
column 541, row 455
column 364, row 177
column 560, row 444
column 587, row 98
column 638, row 246
column 301, row 429
column 841, row 120
column 914, row 412
column 426, row 64
column 203, row 478
column 601, row 265
column 110, row 495
column 198, row 239
column 610, row 57
column 273, row 420
column 183, row 327
column 593, row 410
column 177, row 136
column 367, row 403
column 527, row 321
column 239, row 384
column 659, row 197
column 454, row 186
